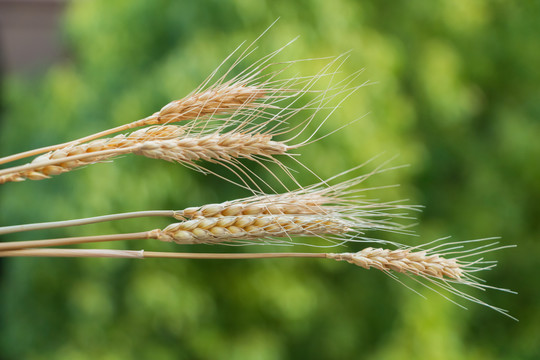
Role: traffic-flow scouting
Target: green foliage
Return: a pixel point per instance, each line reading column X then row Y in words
column 456, row 97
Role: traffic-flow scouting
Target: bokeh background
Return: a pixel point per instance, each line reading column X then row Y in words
column 456, row 97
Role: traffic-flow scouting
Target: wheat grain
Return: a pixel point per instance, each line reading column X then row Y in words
column 240, row 228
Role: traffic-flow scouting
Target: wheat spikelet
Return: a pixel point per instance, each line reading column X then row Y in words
column 232, row 229
column 343, row 200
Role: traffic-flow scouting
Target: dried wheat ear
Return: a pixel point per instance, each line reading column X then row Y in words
column 445, row 266
column 220, row 122
column 165, row 142
column 339, row 213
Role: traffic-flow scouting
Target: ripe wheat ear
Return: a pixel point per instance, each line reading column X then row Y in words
column 74, row 156
column 252, row 92
column 446, row 269
column 206, row 137
column 237, row 229
column 444, row 266
column 163, row 142
column 345, row 200
column 338, row 213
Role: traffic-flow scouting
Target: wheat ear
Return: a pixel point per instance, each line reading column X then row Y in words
column 403, row 261
column 249, row 93
column 343, row 200
column 213, row 148
column 443, row 266
column 226, row 229
column 73, row 156
column 447, row 269
column 223, row 99
column 217, row 148
column 214, row 230
column 231, row 229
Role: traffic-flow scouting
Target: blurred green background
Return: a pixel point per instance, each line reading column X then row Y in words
column 457, row 97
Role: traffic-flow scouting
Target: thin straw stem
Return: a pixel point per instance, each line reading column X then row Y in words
column 75, row 240
column 141, row 254
column 231, row 256
column 84, row 221
column 89, row 253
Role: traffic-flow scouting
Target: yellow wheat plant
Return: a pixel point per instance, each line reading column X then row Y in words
column 251, row 117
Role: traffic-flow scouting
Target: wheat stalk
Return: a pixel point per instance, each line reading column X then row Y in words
column 225, row 229
column 444, row 268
